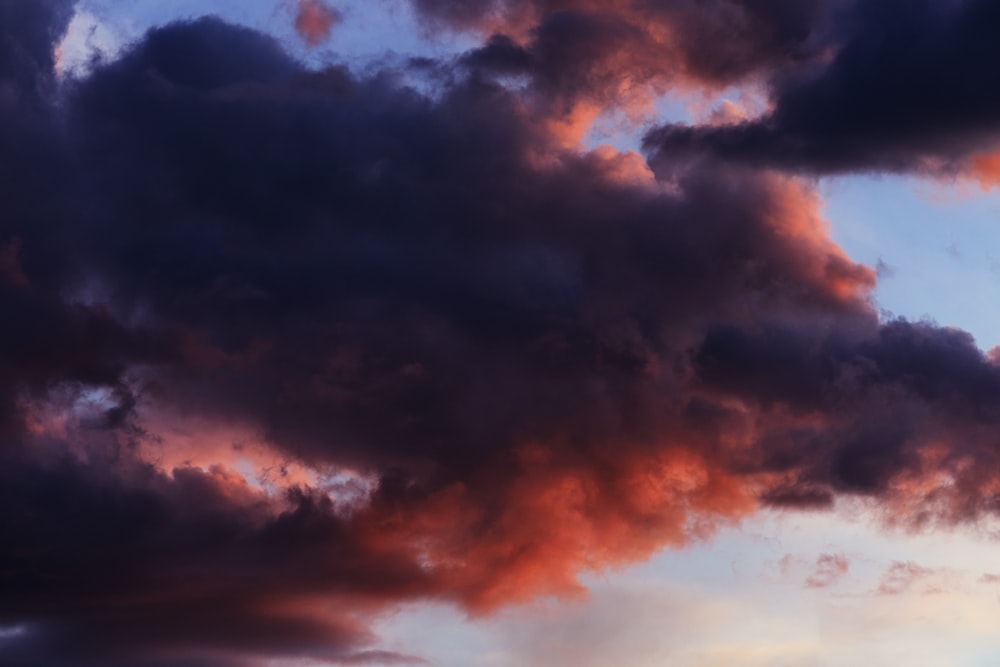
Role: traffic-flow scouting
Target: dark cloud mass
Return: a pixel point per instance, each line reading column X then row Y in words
column 484, row 362
column 910, row 87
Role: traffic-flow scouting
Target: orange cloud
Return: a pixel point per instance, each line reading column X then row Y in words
column 560, row 516
column 315, row 20
column 985, row 168
column 829, row 569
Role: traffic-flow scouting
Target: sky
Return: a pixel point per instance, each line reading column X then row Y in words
column 499, row 333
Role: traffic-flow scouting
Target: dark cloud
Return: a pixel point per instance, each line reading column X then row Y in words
column 530, row 361
column 914, row 397
column 824, row 571
column 110, row 562
column 583, row 57
column 289, row 227
column 908, row 89
column 27, row 54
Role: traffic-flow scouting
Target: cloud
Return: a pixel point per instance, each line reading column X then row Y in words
column 495, row 362
column 168, row 562
column 585, row 57
column 901, row 577
column 757, row 35
column 10, row 263
column 823, row 572
column 28, row 62
column 314, row 20
column 829, row 569
column 903, row 90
